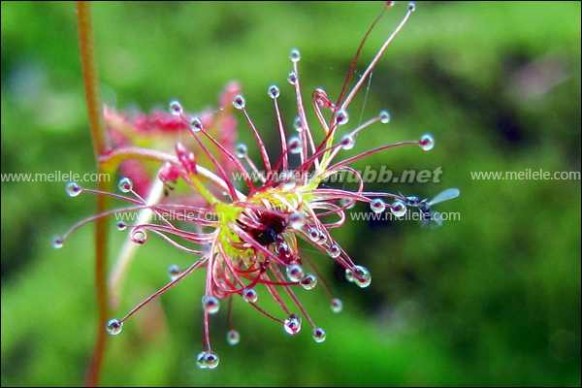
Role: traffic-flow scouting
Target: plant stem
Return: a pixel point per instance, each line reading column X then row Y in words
column 99, row 147
column 90, row 77
column 92, row 377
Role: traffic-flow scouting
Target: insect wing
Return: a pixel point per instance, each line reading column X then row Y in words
column 445, row 195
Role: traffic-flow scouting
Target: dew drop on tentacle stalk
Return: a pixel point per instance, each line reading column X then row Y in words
column 336, row 305
column 341, row 117
column 384, row 117
column 250, row 295
column 241, row 150
column 207, row 360
column 319, row 335
column 295, row 56
column 176, row 108
column 210, row 304
column 297, row 124
column 377, row 205
column 174, row 272
column 58, row 242
column 426, row 142
column 73, row 189
column 125, row 185
column 196, row 124
column 292, row 324
column 398, row 208
column 138, row 236
column 274, row 91
column 239, row 102
column 292, row 78
column 295, row 272
column 114, row 326
column 334, row 251
column 233, row 337
column 308, row 282
column 348, row 142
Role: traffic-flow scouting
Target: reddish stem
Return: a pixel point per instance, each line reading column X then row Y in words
column 90, row 77
column 99, row 144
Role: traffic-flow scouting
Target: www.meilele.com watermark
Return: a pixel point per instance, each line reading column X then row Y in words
column 527, row 174
column 57, row 176
column 192, row 215
column 434, row 218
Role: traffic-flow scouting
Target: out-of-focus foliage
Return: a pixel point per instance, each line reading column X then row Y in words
column 491, row 299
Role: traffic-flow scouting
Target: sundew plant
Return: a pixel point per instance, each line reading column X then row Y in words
column 254, row 226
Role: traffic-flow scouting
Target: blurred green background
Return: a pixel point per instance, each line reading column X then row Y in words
column 492, row 299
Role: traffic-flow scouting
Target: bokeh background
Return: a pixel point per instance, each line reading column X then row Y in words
column 492, row 299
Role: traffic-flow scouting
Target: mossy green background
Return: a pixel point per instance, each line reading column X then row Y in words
column 491, row 299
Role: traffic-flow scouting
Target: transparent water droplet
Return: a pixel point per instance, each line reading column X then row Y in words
column 207, row 360
column 298, row 124
column 313, row 234
column 121, row 225
column 125, row 185
column 308, row 282
column 296, row 220
column 426, row 142
column 362, row 276
column 342, row 117
column 295, row 55
column 58, row 242
column 232, row 337
column 241, row 150
column 294, row 145
column 239, row 102
column 377, row 205
column 273, row 91
column 336, row 305
column 294, row 272
column 292, row 78
column 398, row 208
column 174, row 271
column 384, row 117
column 210, row 304
column 412, row 6
column 114, row 326
column 292, row 324
column 348, row 142
column 73, row 189
column 322, row 237
column 250, row 295
column 176, row 108
column 334, row 251
column 138, row 236
column 318, row 335
column 196, row 124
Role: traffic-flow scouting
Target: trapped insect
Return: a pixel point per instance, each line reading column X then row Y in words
column 424, row 206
